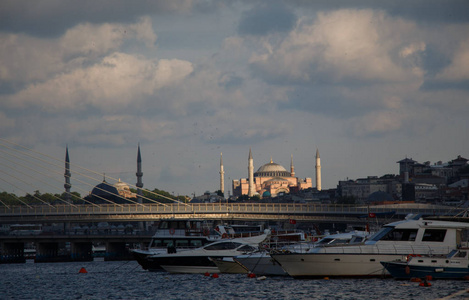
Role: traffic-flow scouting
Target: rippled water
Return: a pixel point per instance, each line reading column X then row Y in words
column 126, row 280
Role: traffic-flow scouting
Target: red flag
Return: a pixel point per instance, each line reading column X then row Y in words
column 372, row 215
column 292, row 221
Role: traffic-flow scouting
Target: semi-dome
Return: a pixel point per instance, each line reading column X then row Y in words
column 272, row 170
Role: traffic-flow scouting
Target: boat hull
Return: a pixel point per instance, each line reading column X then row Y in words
column 402, row 270
column 320, row 265
column 261, row 265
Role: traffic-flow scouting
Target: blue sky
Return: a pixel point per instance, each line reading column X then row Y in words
column 366, row 82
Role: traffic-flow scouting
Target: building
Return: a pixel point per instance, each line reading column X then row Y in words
column 270, row 180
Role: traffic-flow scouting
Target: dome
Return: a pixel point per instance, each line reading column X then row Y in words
column 266, row 194
column 120, row 186
column 104, row 189
column 272, row 170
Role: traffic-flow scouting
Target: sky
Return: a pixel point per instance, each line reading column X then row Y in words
column 367, row 83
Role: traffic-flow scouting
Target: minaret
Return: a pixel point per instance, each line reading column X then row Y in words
column 318, row 171
column 139, row 174
column 67, row 175
column 292, row 168
column 251, row 175
column 222, row 175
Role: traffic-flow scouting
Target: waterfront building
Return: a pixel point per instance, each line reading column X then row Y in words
column 270, row 180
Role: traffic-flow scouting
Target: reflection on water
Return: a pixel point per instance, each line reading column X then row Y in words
column 126, row 280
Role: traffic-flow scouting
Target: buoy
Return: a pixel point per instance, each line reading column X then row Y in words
column 82, row 270
column 251, row 275
column 425, row 283
column 207, row 274
column 428, row 277
column 215, row 275
column 326, row 278
column 415, row 279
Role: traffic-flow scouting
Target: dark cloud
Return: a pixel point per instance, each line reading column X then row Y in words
column 51, row 18
column 266, row 18
column 417, row 10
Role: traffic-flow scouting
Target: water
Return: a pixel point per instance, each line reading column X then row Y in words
column 126, row 280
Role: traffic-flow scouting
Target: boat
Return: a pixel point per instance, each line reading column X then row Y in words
column 262, row 263
column 455, row 265
column 229, row 265
column 200, row 260
column 177, row 235
column 392, row 243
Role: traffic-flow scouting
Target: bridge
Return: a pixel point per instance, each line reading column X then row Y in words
column 212, row 211
column 48, row 245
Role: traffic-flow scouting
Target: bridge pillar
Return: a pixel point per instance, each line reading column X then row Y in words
column 12, row 252
column 81, row 251
column 117, row 251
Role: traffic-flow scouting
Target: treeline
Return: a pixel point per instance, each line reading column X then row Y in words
column 37, row 198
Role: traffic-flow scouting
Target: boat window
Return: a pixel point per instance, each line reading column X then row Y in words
column 325, row 241
column 377, row 236
column 462, row 254
column 451, row 254
column 223, row 246
column 163, row 225
column 182, row 243
column 400, row 235
column 247, row 248
column 196, row 243
column 434, row 235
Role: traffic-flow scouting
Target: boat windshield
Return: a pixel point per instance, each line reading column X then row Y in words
column 223, row 246
column 377, row 236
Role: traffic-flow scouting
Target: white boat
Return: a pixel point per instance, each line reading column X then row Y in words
column 177, row 235
column 229, row 265
column 393, row 242
column 198, row 260
column 455, row 265
column 262, row 263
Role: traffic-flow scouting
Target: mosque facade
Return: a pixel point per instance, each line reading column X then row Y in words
column 272, row 179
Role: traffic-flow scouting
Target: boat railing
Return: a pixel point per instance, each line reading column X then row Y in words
column 388, row 249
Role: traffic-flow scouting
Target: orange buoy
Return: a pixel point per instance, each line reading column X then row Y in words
column 251, row 275
column 215, row 275
column 428, row 277
column 82, row 270
column 415, row 279
column 425, row 283
column 207, row 274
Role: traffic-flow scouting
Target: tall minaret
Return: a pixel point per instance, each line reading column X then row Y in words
column 251, row 175
column 318, row 171
column 292, row 168
column 222, row 175
column 67, row 175
column 139, row 174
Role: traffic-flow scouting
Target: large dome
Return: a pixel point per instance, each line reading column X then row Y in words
column 272, row 170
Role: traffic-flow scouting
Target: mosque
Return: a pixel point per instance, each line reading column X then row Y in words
column 271, row 179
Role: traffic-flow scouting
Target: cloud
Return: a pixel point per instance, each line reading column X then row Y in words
column 267, row 18
column 110, row 85
column 50, row 18
column 345, row 46
column 28, row 59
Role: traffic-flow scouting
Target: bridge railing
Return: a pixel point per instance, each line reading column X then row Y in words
column 226, row 208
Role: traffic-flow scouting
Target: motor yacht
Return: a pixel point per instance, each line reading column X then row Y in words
column 393, row 242
column 454, row 265
column 200, row 260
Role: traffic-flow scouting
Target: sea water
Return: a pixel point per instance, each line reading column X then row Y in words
column 127, row 280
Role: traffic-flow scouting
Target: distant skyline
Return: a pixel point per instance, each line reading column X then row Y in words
column 368, row 83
